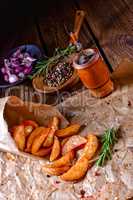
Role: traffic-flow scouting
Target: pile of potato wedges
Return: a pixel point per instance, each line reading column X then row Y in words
column 61, row 145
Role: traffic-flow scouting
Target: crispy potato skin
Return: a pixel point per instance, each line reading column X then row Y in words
column 54, row 127
column 56, row 171
column 32, row 136
column 30, row 123
column 43, row 152
column 28, row 130
column 80, row 168
column 50, row 138
column 77, row 171
column 19, row 137
column 55, row 149
column 38, row 141
column 55, row 123
column 63, row 161
column 90, row 147
column 69, row 131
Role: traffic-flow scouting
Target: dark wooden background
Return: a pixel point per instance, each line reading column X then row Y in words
column 108, row 24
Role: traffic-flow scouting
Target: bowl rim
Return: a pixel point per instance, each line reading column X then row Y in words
column 47, row 89
column 6, row 84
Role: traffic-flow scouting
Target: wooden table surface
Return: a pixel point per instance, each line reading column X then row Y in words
column 108, row 25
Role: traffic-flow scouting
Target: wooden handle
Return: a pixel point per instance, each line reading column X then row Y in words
column 80, row 14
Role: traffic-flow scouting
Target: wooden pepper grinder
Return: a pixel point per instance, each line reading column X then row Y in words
column 93, row 72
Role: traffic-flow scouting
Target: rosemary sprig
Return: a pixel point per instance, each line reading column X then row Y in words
column 108, row 140
column 42, row 66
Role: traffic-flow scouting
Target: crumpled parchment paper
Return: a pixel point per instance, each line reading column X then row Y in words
column 13, row 111
column 22, row 178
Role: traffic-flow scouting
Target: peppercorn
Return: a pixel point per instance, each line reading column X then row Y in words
column 59, row 74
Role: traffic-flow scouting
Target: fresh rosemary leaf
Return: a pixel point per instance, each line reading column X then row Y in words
column 108, row 140
column 44, row 65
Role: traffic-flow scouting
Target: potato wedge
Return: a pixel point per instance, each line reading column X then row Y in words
column 39, row 139
column 28, row 130
column 30, row 123
column 43, row 152
column 69, row 131
column 63, row 142
column 32, row 136
column 79, row 153
column 19, row 137
column 55, row 171
column 90, row 147
column 55, row 123
column 63, row 161
column 50, row 139
column 55, row 149
column 77, row 171
column 74, row 142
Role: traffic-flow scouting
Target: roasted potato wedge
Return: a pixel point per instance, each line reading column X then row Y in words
column 32, row 136
column 63, row 161
column 38, row 141
column 69, row 131
column 63, row 142
column 55, row 149
column 90, row 147
column 43, row 152
column 77, row 171
column 74, row 142
column 55, row 171
column 50, row 139
column 30, row 123
column 28, row 130
column 19, row 137
column 55, row 123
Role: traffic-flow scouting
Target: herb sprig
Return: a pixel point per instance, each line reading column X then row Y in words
column 44, row 65
column 108, row 140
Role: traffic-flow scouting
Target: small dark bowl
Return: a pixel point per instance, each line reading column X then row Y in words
column 33, row 50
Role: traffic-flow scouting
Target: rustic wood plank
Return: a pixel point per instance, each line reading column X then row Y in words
column 57, row 15
column 18, row 29
column 112, row 23
column 51, row 19
column 20, row 37
column 17, row 24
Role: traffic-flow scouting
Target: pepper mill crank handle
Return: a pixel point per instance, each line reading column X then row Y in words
column 80, row 14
